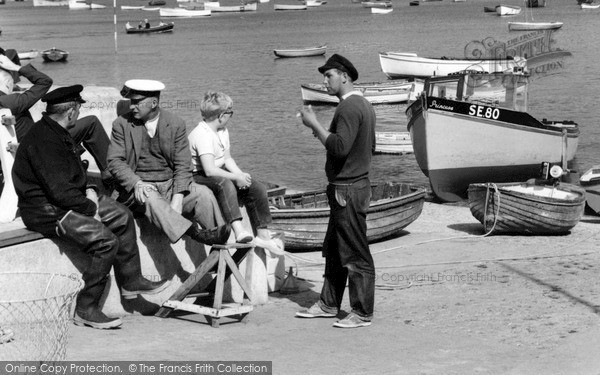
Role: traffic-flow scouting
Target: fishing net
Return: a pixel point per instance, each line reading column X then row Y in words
column 35, row 314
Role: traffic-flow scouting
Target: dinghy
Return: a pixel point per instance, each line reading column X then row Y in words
column 526, row 207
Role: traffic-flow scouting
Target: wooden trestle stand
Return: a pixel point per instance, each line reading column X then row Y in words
column 227, row 264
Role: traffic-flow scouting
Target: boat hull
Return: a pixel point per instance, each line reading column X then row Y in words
column 402, row 65
column 301, row 52
column 305, row 228
column 376, row 93
column 526, row 208
column 454, row 148
column 165, row 28
column 180, row 12
column 289, row 7
column 55, row 55
column 396, row 143
column 590, row 182
column 523, row 26
column 508, row 10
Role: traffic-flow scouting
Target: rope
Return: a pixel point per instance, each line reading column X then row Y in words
column 487, row 194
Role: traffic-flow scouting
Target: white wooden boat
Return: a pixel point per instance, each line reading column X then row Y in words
column 81, row 4
column 250, row 7
column 524, row 26
column 290, row 6
column 28, row 55
column 376, row 4
column 590, row 182
column 397, row 143
column 315, row 3
column 181, row 12
column 527, row 207
column 405, row 64
column 464, row 132
column 589, row 6
column 381, row 10
column 508, row 10
column 131, row 7
column 50, row 3
column 303, row 217
column 390, row 92
column 301, row 52
column 151, row 9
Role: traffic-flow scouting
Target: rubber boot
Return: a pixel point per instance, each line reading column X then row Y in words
column 87, row 311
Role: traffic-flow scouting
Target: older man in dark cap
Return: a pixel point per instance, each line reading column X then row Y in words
column 150, row 158
column 56, row 199
column 350, row 142
column 87, row 130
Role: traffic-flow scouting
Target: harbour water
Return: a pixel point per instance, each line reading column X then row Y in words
column 233, row 52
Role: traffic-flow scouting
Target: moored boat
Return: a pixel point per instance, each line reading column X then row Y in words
column 508, row 10
column 376, row 4
column 524, row 26
column 590, row 182
column 50, row 3
column 397, row 143
column 301, row 52
column 535, row 3
column 160, row 28
column 381, row 10
column 487, row 9
column 315, row 3
column 473, row 128
column 290, row 6
column 131, row 7
column 249, row 7
column 413, row 3
column 407, row 64
column 389, row 92
column 589, row 6
column 55, row 55
column 82, row 4
column 27, row 55
column 303, row 217
column 157, row 3
column 181, row 12
column 527, row 207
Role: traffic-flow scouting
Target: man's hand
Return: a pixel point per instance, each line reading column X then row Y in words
column 243, row 180
column 142, row 190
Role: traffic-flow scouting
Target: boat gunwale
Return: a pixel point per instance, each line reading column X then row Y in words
column 532, row 197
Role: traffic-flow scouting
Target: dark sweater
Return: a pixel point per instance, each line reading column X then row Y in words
column 352, row 142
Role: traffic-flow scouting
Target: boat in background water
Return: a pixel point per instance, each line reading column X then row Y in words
column 301, row 52
column 508, row 10
column 160, row 28
column 82, row 4
column 389, row 92
column 55, row 55
column 526, row 26
column 527, row 207
column 473, row 128
column 181, row 12
column 408, row 64
column 28, row 55
column 396, row 143
column 589, row 6
column 290, row 6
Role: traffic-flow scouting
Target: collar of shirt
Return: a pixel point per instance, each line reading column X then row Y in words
column 353, row 92
column 151, row 126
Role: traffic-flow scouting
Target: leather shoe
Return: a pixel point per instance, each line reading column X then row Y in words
column 218, row 235
column 143, row 286
column 96, row 319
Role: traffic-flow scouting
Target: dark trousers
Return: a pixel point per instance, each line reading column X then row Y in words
column 111, row 242
column 346, row 249
column 89, row 131
column 229, row 198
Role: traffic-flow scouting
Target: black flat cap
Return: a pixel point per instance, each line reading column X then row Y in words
column 64, row 95
column 341, row 63
column 13, row 55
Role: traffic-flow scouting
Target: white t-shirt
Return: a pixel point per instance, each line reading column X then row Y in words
column 203, row 140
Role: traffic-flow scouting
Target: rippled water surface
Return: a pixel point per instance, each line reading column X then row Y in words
column 234, row 53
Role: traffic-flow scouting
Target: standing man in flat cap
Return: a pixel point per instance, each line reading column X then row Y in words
column 350, row 142
column 87, row 130
column 150, row 158
column 55, row 199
